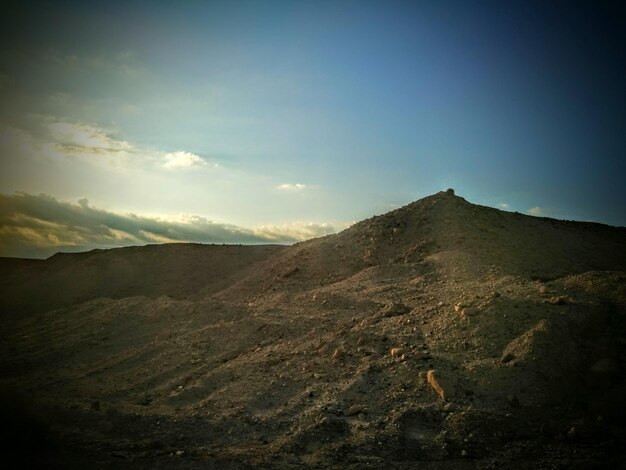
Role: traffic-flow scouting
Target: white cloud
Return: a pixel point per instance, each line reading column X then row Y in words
column 294, row 188
column 60, row 140
column 181, row 159
column 38, row 226
column 297, row 230
column 538, row 211
column 503, row 205
column 83, row 137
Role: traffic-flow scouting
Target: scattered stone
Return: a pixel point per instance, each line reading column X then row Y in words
column 354, row 410
column 395, row 308
column 468, row 312
column 604, row 367
column 572, row 434
column 396, row 352
column 513, row 401
column 556, row 300
column 441, row 383
column 180, row 453
column 420, row 355
column 507, row 357
column 548, row 429
column 338, row 354
column 458, row 307
column 464, row 453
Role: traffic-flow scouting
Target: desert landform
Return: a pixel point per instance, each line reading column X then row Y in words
column 439, row 335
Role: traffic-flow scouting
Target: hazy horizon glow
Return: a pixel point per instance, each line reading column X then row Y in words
column 243, row 121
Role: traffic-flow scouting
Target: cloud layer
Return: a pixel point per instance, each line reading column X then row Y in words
column 52, row 138
column 539, row 211
column 40, row 225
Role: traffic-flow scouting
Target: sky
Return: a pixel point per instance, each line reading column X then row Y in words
column 125, row 123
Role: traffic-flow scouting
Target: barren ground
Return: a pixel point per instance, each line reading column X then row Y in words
column 319, row 355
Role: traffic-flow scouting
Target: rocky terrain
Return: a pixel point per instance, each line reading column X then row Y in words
column 440, row 335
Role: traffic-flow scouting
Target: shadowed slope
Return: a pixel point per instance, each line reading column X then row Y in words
column 176, row 270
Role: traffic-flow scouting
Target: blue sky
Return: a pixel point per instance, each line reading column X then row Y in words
column 288, row 119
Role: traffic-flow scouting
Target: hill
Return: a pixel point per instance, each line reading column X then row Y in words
column 442, row 333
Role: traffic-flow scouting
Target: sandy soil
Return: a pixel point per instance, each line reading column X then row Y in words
column 442, row 334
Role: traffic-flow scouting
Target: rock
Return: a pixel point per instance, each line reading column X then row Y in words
column 443, row 384
column 604, row 367
column 458, row 307
column 395, row 308
column 396, row 352
column 338, row 354
column 513, row 401
column 468, row 312
column 548, row 429
column 507, row 357
column 420, row 355
column 180, row 453
column 572, row 434
column 354, row 410
column 556, row 300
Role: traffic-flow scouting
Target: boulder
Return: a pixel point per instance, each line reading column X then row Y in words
column 396, row 352
column 354, row 410
column 395, row 308
column 442, row 383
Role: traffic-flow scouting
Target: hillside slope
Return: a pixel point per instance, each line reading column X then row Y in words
column 175, row 270
column 440, row 334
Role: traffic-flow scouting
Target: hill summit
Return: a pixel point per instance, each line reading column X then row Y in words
column 441, row 333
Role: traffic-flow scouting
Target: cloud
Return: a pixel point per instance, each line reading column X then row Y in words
column 503, row 205
column 297, row 230
column 73, row 137
column 538, row 211
column 294, row 188
column 40, row 225
column 60, row 140
column 177, row 160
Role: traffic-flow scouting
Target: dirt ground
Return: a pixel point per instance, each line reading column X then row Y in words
column 440, row 335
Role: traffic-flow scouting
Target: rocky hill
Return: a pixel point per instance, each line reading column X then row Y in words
column 440, row 334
